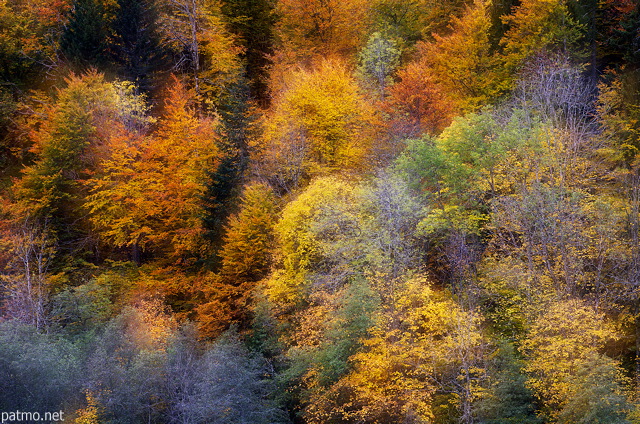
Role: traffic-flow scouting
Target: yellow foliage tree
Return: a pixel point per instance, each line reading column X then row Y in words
column 90, row 414
column 220, row 54
column 535, row 26
column 564, row 351
column 195, row 32
column 320, row 123
column 424, row 344
column 301, row 250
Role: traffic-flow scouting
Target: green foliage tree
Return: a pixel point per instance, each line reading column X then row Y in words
column 379, row 59
column 68, row 140
column 345, row 331
column 524, row 211
column 335, row 230
column 414, row 20
column 388, row 235
column 459, row 172
column 507, row 399
column 83, row 309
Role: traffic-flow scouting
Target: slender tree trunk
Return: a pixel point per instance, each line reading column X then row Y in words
column 634, row 269
column 136, row 254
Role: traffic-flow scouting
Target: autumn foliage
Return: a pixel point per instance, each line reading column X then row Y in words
column 320, row 212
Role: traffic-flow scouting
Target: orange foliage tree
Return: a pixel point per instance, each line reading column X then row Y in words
column 417, row 104
column 148, row 196
column 245, row 259
column 322, row 26
column 462, row 62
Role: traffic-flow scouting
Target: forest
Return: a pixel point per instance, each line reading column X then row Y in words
column 320, row 211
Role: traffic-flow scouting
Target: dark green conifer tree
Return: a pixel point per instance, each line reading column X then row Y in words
column 224, row 182
column 135, row 48
column 253, row 22
column 86, row 38
column 626, row 38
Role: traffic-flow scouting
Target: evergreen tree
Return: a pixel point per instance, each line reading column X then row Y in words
column 508, row 400
column 85, row 41
column 253, row 21
column 135, row 46
column 236, row 128
column 626, row 37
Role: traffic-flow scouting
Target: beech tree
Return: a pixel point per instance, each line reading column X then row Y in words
column 417, row 104
column 379, row 59
column 68, row 141
column 320, row 123
column 564, row 351
column 463, row 62
column 245, row 259
column 372, row 211
column 538, row 25
column 321, row 27
column 313, row 213
column 423, row 344
column 147, row 198
column 202, row 46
